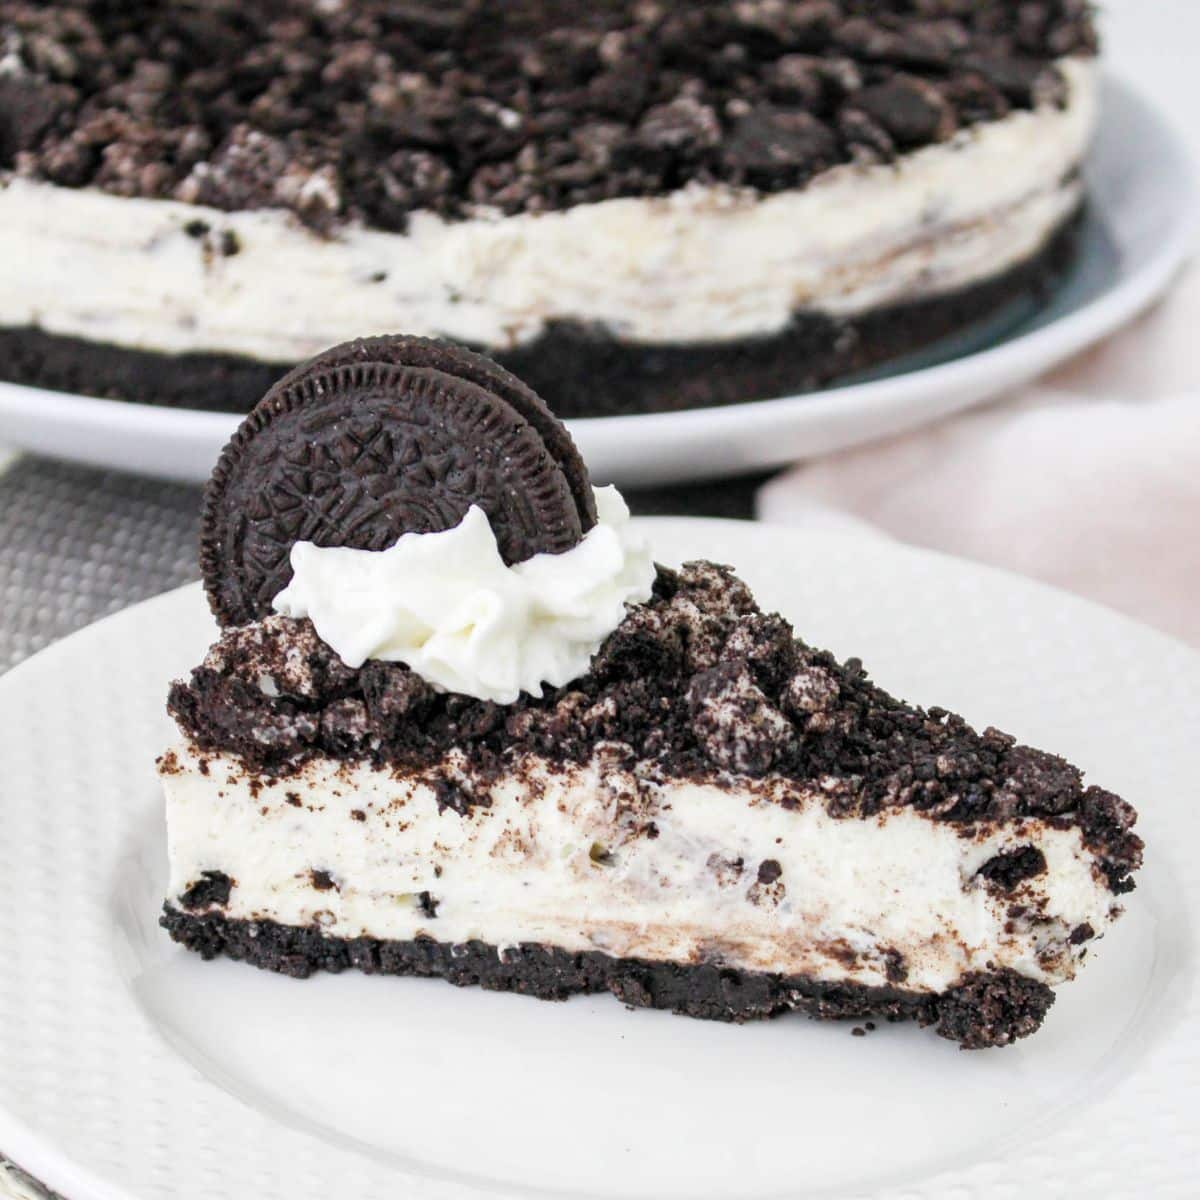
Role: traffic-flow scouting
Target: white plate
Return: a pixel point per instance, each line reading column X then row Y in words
column 1139, row 229
column 131, row 1069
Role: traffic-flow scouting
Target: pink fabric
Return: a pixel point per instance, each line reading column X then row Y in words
column 1090, row 480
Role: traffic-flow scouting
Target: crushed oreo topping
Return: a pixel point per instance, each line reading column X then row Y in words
column 695, row 680
column 280, row 657
column 735, row 723
column 373, row 110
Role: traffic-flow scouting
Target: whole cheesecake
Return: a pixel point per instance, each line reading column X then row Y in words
column 457, row 723
column 635, row 205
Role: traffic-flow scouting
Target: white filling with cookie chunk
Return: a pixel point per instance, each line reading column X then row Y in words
column 752, row 874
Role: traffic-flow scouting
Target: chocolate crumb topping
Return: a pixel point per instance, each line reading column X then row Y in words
column 373, row 110
column 694, row 681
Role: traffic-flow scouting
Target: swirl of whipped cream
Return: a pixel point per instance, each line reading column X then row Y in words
column 449, row 607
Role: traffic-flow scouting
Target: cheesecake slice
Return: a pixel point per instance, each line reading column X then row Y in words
column 700, row 812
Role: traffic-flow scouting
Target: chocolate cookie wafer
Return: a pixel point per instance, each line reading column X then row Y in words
column 402, row 350
column 358, row 453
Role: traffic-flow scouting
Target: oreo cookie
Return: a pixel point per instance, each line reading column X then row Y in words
column 401, row 350
column 352, row 450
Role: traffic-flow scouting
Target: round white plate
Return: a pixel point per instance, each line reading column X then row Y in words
column 1139, row 229
column 131, row 1070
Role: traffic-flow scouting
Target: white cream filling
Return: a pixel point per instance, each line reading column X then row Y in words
column 562, row 855
column 703, row 264
column 448, row 606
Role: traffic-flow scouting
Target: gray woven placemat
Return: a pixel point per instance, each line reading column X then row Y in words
column 78, row 544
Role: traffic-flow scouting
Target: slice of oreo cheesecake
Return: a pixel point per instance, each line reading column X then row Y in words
column 458, row 724
column 635, row 204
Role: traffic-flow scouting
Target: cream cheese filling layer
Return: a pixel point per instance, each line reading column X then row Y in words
column 703, row 264
column 592, row 857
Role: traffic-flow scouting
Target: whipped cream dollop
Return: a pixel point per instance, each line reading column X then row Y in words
column 449, row 607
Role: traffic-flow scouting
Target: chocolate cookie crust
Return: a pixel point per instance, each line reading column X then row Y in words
column 987, row 1009
column 373, row 110
column 695, row 683
column 581, row 371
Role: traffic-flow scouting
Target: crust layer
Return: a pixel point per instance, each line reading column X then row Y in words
column 985, row 1009
column 579, row 370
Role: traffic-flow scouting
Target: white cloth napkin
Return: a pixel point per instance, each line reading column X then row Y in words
column 1089, row 480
